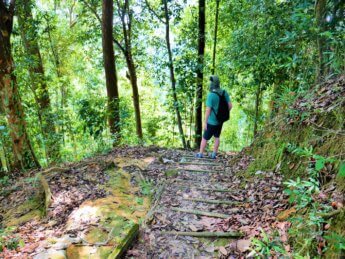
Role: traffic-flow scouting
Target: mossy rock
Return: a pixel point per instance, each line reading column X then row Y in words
column 127, row 238
column 96, row 235
column 51, row 254
column 86, row 252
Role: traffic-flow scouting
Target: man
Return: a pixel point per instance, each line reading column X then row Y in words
column 212, row 125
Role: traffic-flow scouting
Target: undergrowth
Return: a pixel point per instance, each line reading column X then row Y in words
column 309, row 233
column 8, row 241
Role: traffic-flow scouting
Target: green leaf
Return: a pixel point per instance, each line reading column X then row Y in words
column 21, row 243
column 320, row 163
column 341, row 172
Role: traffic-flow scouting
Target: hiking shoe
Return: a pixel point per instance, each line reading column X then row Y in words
column 213, row 155
column 199, row 155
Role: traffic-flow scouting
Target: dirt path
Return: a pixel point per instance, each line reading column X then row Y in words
column 96, row 202
column 204, row 197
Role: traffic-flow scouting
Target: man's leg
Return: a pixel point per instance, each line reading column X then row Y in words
column 217, row 132
column 216, row 145
column 206, row 136
column 203, row 145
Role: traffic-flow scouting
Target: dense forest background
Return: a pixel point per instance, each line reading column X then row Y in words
column 80, row 76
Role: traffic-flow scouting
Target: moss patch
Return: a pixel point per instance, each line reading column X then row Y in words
column 116, row 214
column 29, row 210
column 76, row 252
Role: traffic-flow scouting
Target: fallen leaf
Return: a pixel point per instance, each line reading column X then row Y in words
column 223, row 250
column 192, row 227
column 243, row 245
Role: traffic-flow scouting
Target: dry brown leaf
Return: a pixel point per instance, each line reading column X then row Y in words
column 192, row 227
column 223, row 250
column 243, row 245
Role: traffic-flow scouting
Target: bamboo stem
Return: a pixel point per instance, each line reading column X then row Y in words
column 204, row 234
column 196, row 163
column 196, row 158
column 331, row 214
column 212, row 201
column 214, row 190
column 202, row 213
column 149, row 216
column 200, row 170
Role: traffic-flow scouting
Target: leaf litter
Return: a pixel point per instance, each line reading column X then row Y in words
column 257, row 202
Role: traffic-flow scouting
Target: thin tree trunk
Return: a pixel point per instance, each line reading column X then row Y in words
column 23, row 154
column 257, row 105
column 134, row 82
column 320, row 12
column 4, row 166
column 215, row 38
column 57, row 64
column 110, row 69
column 124, row 13
column 38, row 81
column 201, row 51
column 126, row 20
column 172, row 74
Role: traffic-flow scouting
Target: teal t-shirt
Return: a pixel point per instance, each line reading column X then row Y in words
column 212, row 102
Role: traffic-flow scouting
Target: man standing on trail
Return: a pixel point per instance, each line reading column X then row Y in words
column 218, row 107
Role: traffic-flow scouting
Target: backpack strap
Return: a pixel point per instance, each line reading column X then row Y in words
column 219, row 100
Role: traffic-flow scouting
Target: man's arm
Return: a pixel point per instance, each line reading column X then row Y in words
column 230, row 106
column 207, row 114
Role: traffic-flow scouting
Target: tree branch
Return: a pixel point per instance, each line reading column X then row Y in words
column 153, row 12
column 119, row 45
column 93, row 10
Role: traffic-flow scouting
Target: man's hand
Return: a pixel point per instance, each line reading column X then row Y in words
column 205, row 126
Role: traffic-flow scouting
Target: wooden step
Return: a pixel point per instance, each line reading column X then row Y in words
column 203, row 234
column 200, row 170
column 196, row 158
column 202, row 213
column 201, row 164
column 212, row 201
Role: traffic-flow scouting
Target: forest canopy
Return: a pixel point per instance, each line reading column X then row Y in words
column 78, row 77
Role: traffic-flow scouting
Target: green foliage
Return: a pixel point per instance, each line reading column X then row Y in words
column 4, row 181
column 267, row 245
column 307, row 229
column 266, row 50
column 318, row 161
column 336, row 239
column 91, row 112
column 8, row 241
column 300, row 192
column 341, row 172
column 146, row 187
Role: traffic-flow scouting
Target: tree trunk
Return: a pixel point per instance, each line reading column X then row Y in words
column 38, row 81
column 110, row 69
column 201, row 50
column 134, row 82
column 320, row 12
column 23, row 154
column 57, row 63
column 125, row 15
column 215, row 38
column 257, row 106
column 172, row 74
column 126, row 20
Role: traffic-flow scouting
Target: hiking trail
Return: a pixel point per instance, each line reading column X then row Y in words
column 203, row 209
column 143, row 202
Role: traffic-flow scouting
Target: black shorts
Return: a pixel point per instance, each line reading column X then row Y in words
column 212, row 130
